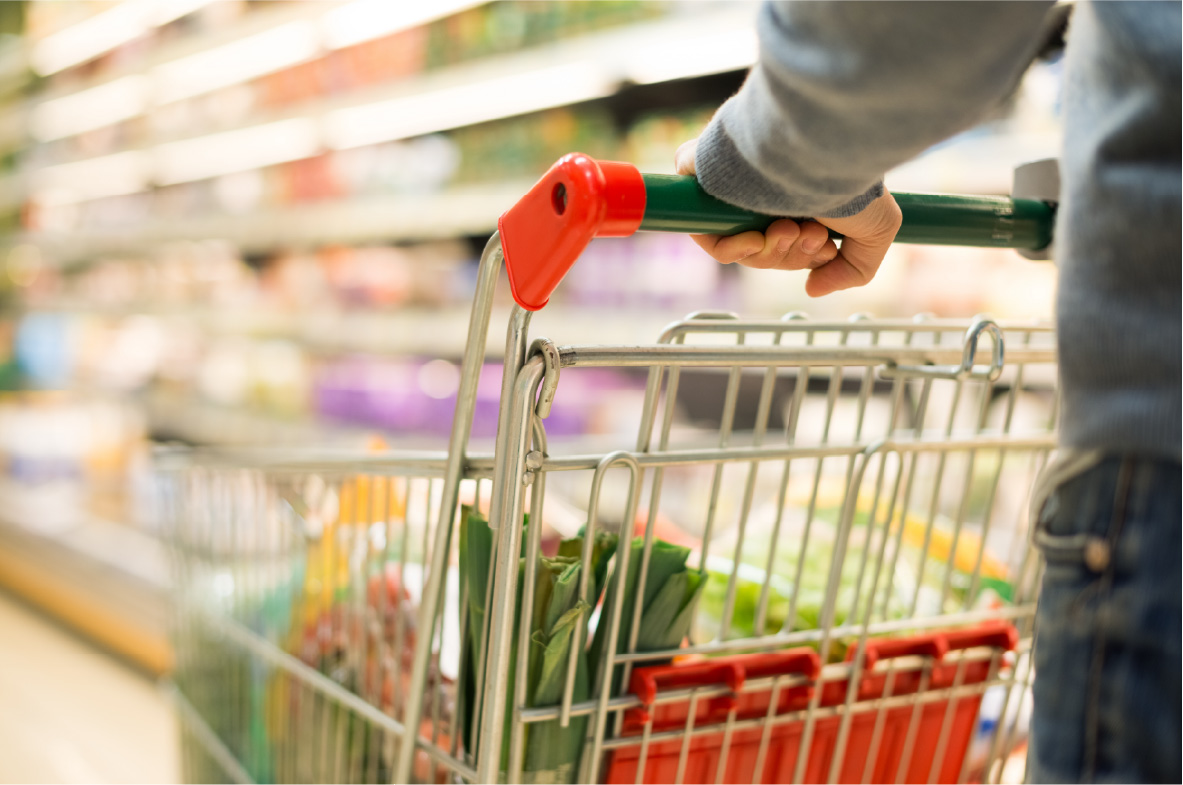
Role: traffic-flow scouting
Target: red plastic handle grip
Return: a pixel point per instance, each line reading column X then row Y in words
column 732, row 671
column 933, row 645
column 995, row 634
column 647, row 682
column 545, row 232
column 804, row 662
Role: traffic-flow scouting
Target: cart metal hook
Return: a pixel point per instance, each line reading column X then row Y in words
column 965, row 370
column 550, row 379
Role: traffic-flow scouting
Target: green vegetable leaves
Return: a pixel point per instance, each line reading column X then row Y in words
column 670, row 594
column 558, row 624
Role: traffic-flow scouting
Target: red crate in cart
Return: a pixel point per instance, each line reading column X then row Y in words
column 912, row 741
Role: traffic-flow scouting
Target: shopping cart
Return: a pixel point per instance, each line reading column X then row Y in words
column 845, row 592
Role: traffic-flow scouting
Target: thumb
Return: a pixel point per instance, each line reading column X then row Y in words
column 855, row 265
column 868, row 236
column 684, row 157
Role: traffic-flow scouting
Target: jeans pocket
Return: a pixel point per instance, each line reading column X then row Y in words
column 1067, row 538
column 1084, row 551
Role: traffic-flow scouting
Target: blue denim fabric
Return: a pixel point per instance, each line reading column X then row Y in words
column 1107, row 646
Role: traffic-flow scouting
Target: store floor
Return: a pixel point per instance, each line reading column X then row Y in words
column 71, row 713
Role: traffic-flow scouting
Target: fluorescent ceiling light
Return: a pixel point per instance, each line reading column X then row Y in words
column 365, row 20
column 465, row 104
column 236, row 151
column 661, row 61
column 239, row 61
column 109, row 103
column 91, row 37
column 110, row 175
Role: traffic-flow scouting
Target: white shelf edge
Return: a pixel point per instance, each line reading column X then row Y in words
column 610, row 58
column 471, row 209
column 407, row 331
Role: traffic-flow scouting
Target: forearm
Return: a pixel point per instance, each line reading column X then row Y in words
column 845, row 91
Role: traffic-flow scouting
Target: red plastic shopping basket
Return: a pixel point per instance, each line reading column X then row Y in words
column 909, row 727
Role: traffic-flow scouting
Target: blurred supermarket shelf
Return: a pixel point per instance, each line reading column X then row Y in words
column 127, row 195
column 974, row 163
column 181, row 417
column 108, row 580
column 470, row 210
column 402, row 331
column 99, row 35
column 14, row 65
column 564, row 72
column 14, row 120
column 11, row 185
column 561, row 73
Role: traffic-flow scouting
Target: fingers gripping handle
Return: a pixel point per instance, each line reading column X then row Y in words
column 581, row 198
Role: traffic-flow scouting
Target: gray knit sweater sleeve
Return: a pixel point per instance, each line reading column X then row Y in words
column 844, row 91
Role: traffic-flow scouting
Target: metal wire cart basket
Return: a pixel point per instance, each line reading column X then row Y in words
column 847, row 594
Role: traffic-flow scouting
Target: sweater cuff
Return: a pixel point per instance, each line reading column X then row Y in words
column 726, row 174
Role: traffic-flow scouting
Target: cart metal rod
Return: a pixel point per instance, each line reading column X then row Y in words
column 474, row 356
column 770, row 642
column 677, row 203
column 698, row 325
column 835, row 672
column 584, row 708
column 786, row 452
column 508, row 555
column 330, row 689
column 213, row 745
column 336, row 464
column 756, row 356
column 481, row 465
column 262, row 648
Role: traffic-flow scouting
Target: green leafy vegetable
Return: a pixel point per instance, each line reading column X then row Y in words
column 558, row 622
column 671, row 592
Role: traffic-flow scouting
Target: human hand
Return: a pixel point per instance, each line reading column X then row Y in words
column 790, row 245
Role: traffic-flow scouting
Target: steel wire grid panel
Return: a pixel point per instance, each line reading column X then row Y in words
column 889, row 499
column 295, row 621
column 862, row 483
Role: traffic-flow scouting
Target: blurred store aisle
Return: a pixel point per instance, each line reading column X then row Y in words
column 71, row 713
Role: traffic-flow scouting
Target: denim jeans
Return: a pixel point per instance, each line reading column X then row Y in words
column 1107, row 637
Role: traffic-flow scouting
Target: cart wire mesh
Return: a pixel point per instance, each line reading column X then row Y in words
column 847, row 498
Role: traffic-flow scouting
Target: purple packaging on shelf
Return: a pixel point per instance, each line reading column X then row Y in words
column 409, row 397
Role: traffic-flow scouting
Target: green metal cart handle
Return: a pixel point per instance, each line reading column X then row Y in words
column 677, row 203
column 581, row 198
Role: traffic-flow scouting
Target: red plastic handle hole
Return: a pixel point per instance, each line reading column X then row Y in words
column 558, row 198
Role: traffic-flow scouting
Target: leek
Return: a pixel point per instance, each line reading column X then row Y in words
column 558, row 622
column 667, row 606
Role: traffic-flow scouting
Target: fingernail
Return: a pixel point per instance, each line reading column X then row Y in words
column 783, row 247
column 811, row 245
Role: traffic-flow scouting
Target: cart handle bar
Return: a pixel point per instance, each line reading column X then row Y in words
column 581, row 198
